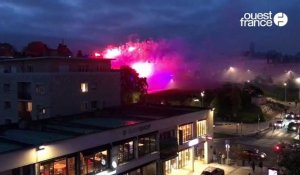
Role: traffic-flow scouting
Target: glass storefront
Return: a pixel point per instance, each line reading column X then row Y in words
column 125, row 151
column 147, row 144
column 93, row 162
column 170, row 166
column 183, row 160
column 61, row 166
column 187, row 131
column 184, row 157
column 201, row 128
column 149, row 169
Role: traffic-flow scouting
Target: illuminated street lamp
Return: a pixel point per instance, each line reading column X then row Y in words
column 284, row 84
column 202, row 96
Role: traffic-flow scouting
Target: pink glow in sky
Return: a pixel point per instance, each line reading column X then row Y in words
column 155, row 60
column 144, row 69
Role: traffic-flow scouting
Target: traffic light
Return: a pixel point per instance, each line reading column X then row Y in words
column 277, row 148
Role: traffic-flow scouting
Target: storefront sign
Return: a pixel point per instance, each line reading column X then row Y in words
column 193, row 142
column 137, row 129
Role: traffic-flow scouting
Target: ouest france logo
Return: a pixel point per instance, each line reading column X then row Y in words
column 280, row 19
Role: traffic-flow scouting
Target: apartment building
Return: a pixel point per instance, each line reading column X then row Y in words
column 45, row 87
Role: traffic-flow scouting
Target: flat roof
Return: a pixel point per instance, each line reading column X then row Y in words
column 62, row 128
column 56, row 58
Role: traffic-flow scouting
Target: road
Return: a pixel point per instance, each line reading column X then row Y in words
column 264, row 141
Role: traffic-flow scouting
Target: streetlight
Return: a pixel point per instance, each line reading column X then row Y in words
column 284, row 84
column 202, row 96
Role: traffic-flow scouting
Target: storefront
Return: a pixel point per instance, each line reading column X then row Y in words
column 148, row 169
column 60, row 166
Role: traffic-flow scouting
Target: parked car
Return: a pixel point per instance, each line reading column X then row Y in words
column 213, row 171
column 253, row 154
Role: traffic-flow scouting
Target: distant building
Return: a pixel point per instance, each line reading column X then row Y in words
column 45, row 87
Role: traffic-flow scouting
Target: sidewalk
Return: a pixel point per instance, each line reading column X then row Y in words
column 229, row 170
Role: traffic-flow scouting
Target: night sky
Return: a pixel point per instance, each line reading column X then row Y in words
column 207, row 25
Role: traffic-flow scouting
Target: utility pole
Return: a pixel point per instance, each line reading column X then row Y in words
column 258, row 122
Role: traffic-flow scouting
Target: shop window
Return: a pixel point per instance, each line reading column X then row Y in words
column 185, row 131
column 94, row 162
column 201, row 128
column 58, row 167
column 125, row 152
column 147, row 144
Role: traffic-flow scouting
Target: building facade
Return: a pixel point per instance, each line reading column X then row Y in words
column 40, row 88
column 142, row 145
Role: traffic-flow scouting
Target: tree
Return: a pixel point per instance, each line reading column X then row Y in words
column 133, row 88
column 63, row 50
column 36, row 49
column 7, row 50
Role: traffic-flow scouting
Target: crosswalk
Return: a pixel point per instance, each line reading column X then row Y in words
column 281, row 133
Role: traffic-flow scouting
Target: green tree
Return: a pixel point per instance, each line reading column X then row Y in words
column 133, row 88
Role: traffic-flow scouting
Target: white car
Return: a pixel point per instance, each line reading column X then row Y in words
column 279, row 124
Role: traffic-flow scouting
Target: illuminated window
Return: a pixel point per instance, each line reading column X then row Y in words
column 84, row 87
column 201, row 128
column 125, row 152
column 186, row 131
column 29, row 107
column 94, row 162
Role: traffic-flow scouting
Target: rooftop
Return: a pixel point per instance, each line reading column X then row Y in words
column 57, row 58
column 55, row 129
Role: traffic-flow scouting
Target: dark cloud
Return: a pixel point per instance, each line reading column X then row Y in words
column 208, row 24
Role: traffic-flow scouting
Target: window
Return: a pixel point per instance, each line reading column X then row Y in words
column 94, row 104
column 84, row 87
column 29, row 68
column 94, row 86
column 40, row 89
column 6, row 87
column 7, row 105
column 186, row 131
column 29, row 106
column 147, row 144
column 84, row 106
column 201, row 128
column 125, row 152
column 40, row 109
column 94, row 162
column 58, row 167
column 24, row 90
